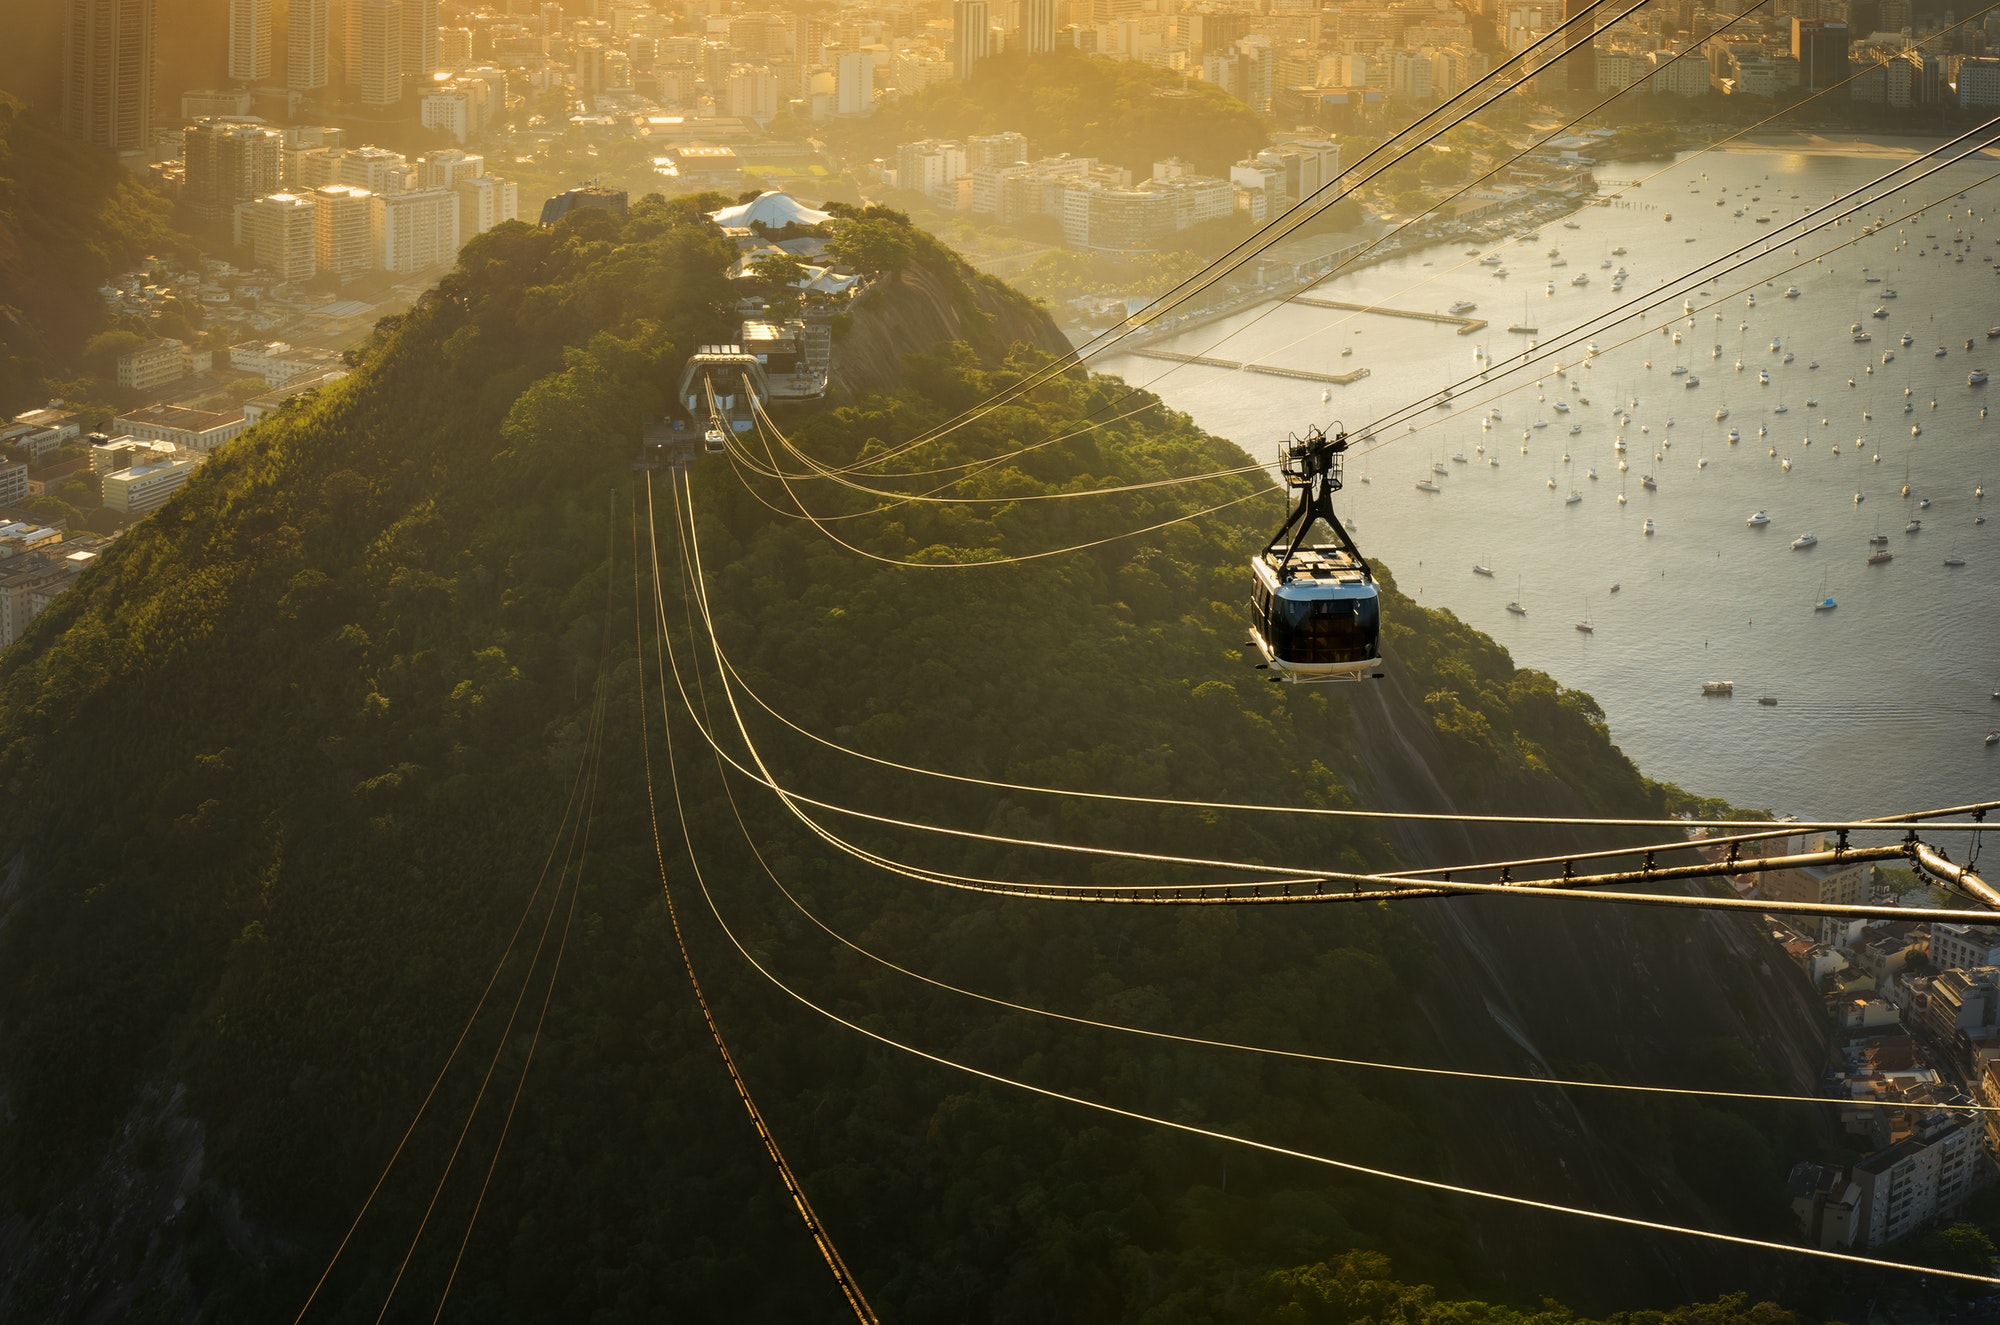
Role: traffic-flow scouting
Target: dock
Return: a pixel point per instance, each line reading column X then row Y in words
column 1268, row 369
column 1466, row 325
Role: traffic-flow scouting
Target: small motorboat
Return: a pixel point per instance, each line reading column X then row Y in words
column 1758, row 520
column 1803, row 541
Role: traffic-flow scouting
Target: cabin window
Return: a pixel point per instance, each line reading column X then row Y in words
column 1325, row 630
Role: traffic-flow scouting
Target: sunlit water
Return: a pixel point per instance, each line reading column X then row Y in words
column 1884, row 701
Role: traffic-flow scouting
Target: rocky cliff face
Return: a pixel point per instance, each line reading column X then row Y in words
column 922, row 307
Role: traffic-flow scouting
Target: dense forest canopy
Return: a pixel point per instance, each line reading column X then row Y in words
column 1121, row 112
column 278, row 774
column 70, row 218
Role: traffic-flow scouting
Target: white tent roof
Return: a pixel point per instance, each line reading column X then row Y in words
column 775, row 209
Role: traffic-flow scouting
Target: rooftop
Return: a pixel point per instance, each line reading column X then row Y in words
column 775, row 210
column 178, row 416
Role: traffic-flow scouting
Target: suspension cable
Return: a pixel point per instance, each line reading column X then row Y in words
column 850, row 1289
column 1363, row 1170
column 1280, row 889
column 1290, row 222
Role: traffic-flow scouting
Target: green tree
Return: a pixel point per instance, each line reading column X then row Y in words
column 102, row 352
column 869, row 246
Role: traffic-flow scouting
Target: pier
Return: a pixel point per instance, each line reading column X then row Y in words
column 1269, row 370
column 1466, row 325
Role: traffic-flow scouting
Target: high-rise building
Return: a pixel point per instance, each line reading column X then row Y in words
column 1038, row 26
column 854, row 85
column 751, row 93
column 344, row 230
column 1820, row 48
column 283, row 235
column 484, row 202
column 249, row 40
column 416, row 231
column 449, row 168
column 375, row 51
column 307, row 36
column 420, row 38
column 229, row 162
column 969, row 24
column 1579, row 46
column 107, row 72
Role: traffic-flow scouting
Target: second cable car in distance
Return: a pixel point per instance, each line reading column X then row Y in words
column 1316, row 614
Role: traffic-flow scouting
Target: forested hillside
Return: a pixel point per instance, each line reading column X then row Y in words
column 70, row 217
column 279, row 775
column 1121, row 112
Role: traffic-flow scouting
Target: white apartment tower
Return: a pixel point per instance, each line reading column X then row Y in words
column 854, row 83
column 969, row 37
column 249, row 40
column 284, row 235
column 485, row 202
column 344, row 230
column 308, row 34
column 416, row 231
column 375, row 51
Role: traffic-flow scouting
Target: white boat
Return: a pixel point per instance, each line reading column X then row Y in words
column 1763, row 377
column 1788, row 357
column 1906, row 340
column 1862, row 338
column 1791, row 292
column 1977, row 377
column 1581, row 278
column 1722, row 414
column 1692, row 382
column 1425, row 485
column 1649, row 483
column 1462, row 307
column 1647, row 528
column 1723, row 688
column 1734, row 436
column 1803, row 541
column 1759, row 519
column 1562, row 407
column 1914, row 527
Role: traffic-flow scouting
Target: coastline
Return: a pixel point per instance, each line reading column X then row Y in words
column 1806, row 142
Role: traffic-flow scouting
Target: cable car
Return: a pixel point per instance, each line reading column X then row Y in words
column 1315, row 612
column 713, row 440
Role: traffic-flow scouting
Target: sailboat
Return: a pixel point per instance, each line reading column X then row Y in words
column 1515, row 606
column 1585, row 624
column 1825, row 603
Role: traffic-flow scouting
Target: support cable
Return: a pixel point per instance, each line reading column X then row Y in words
column 579, row 835
column 562, row 945
column 850, row 1289
column 1290, row 223
column 562, row 828
column 1346, row 1166
column 1269, row 890
column 724, row 770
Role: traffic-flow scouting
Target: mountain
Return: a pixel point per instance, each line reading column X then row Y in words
column 278, row 777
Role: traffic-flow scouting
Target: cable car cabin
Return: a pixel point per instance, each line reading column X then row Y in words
column 713, row 440
column 1321, row 620
column 1316, row 614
